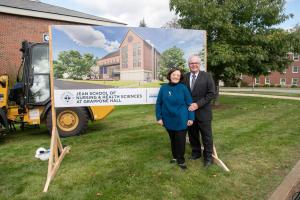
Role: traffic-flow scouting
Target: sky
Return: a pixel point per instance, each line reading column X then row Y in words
column 155, row 12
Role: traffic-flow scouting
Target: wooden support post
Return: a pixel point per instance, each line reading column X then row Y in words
column 218, row 161
column 57, row 152
column 56, row 157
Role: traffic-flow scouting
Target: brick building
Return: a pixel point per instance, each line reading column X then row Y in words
column 288, row 78
column 135, row 59
column 29, row 20
column 109, row 66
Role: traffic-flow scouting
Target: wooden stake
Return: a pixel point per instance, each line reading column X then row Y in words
column 218, row 161
column 57, row 152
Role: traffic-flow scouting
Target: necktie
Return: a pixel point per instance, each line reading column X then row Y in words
column 193, row 81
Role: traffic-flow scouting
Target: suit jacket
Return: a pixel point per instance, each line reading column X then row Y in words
column 202, row 94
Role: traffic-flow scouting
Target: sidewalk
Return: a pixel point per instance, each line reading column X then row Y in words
column 249, row 89
column 259, row 95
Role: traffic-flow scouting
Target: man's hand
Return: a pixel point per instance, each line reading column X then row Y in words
column 160, row 122
column 190, row 122
column 193, row 107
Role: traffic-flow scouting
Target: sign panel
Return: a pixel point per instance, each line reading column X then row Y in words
column 114, row 96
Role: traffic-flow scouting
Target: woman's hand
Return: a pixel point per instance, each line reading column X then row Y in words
column 190, row 122
column 160, row 122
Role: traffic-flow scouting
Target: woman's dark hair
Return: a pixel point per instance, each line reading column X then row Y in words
column 173, row 70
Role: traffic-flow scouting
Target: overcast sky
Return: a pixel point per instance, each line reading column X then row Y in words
column 155, row 12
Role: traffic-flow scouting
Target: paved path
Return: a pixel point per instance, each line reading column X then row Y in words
column 283, row 90
column 71, row 85
column 260, row 95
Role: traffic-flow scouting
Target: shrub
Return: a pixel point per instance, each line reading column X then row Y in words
column 244, row 84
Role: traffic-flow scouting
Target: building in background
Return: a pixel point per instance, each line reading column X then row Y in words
column 109, row 66
column 136, row 59
column 29, row 20
column 288, row 78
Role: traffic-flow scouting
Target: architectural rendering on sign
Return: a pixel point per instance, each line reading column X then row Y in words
column 122, row 53
column 136, row 59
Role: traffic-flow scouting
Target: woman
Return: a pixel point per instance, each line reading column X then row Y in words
column 172, row 112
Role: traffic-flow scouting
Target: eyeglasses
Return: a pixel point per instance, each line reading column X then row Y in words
column 193, row 63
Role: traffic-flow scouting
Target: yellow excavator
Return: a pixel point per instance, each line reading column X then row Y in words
column 29, row 102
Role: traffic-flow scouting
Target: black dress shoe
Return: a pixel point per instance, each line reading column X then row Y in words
column 182, row 166
column 208, row 163
column 194, row 157
column 173, row 161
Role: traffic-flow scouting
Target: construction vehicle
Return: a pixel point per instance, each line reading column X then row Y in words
column 29, row 102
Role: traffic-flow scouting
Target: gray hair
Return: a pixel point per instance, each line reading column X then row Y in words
column 195, row 56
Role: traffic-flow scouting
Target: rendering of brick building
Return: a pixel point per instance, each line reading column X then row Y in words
column 29, row 20
column 135, row 59
column 288, row 78
column 109, row 66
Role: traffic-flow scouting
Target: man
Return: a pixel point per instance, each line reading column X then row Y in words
column 202, row 88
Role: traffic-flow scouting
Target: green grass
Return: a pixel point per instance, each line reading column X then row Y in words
column 126, row 156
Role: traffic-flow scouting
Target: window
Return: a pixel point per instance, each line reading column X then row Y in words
column 295, row 69
column 124, row 57
column 295, row 81
column 104, row 70
column 282, row 81
column 40, row 85
column 256, row 80
column 267, row 81
column 296, row 56
column 136, row 55
column 139, row 62
column 284, row 71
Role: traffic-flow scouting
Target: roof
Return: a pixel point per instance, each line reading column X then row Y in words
column 12, row 6
column 145, row 41
column 112, row 54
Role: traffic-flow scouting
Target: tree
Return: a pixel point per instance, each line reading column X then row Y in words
column 73, row 65
column 241, row 37
column 172, row 57
column 294, row 39
column 173, row 23
column 143, row 23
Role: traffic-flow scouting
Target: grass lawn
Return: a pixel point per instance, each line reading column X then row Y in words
column 126, row 156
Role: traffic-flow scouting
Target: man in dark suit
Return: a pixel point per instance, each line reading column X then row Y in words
column 202, row 88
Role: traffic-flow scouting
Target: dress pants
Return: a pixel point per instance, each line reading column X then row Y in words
column 178, row 139
column 206, row 134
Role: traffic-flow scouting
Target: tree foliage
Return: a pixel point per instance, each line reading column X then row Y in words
column 170, row 58
column 72, row 64
column 241, row 37
column 173, row 23
column 294, row 39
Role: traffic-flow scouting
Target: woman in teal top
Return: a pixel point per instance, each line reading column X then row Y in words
column 172, row 112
